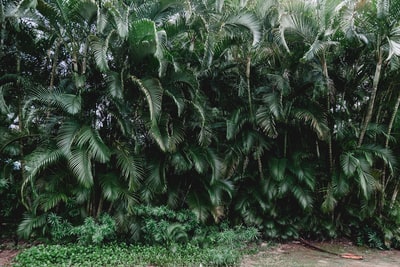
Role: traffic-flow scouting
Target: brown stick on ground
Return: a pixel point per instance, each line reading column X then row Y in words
column 344, row 255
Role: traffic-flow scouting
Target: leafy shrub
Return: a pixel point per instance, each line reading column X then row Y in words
column 90, row 232
column 163, row 226
column 95, row 232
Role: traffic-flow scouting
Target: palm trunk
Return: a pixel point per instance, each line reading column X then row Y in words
column 25, row 201
column 371, row 103
column 391, row 123
column 54, row 63
column 385, row 182
column 2, row 29
column 248, row 66
column 328, row 108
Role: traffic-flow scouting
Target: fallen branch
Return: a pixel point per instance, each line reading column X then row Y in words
column 343, row 255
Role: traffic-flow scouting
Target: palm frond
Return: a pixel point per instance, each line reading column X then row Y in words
column 18, row 10
column 329, row 202
column 49, row 11
column 173, row 132
column 267, row 121
column 143, row 39
column 302, row 196
column 248, row 21
column 317, row 47
column 49, row 200
column 205, row 132
column 82, row 10
column 198, row 203
column 115, row 84
column 110, row 187
column 217, row 188
column 277, row 168
column 394, row 43
column 120, row 18
column 29, row 223
column 68, row 103
column 81, row 165
column 317, row 123
column 67, row 134
column 4, row 109
column 178, row 97
column 235, row 123
column 130, row 166
column 153, row 91
column 382, row 153
column 100, row 49
column 156, row 180
column 38, row 161
column 90, row 138
column 198, row 159
column 366, row 182
column 349, row 163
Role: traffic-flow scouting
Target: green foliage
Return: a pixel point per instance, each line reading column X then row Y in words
column 225, row 247
column 163, row 226
column 131, row 255
column 282, row 115
column 95, row 232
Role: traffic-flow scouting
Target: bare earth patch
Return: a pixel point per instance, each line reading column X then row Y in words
column 297, row 254
column 6, row 255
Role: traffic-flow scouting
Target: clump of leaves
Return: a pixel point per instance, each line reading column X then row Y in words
column 92, row 231
column 163, row 226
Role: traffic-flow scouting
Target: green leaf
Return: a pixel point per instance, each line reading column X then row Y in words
column 111, row 189
column 51, row 199
column 130, row 166
column 115, row 85
column 90, row 138
column 69, row 103
column 100, row 48
column 153, row 91
column 349, row 163
column 81, row 165
column 277, row 168
column 143, row 40
column 247, row 21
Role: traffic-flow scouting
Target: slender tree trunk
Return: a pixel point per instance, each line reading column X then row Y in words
column 371, row 103
column 100, row 207
column 248, row 67
column 26, row 201
column 328, row 109
column 84, row 59
column 2, row 28
column 385, row 181
column 392, row 119
column 394, row 195
column 54, row 63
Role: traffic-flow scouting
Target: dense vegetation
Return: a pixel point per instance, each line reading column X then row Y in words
column 280, row 115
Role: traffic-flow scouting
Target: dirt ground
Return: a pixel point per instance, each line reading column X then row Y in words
column 297, row 254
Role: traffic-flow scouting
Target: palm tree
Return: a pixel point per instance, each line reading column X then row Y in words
column 374, row 24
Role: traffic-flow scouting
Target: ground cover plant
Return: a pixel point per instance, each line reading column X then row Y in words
column 147, row 122
column 213, row 247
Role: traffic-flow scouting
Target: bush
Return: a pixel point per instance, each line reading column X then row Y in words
column 92, row 231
